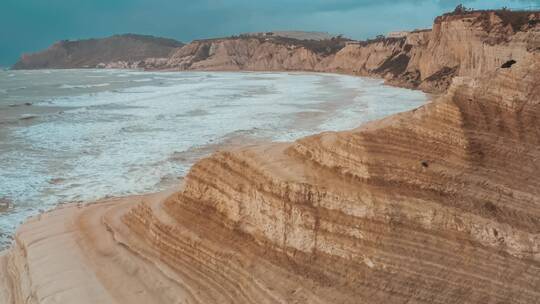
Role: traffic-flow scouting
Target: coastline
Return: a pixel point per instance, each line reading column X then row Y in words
column 304, row 120
column 229, row 143
column 434, row 205
column 67, row 234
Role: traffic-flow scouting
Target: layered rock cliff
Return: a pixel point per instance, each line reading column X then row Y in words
column 458, row 45
column 437, row 205
column 254, row 53
column 120, row 51
column 469, row 44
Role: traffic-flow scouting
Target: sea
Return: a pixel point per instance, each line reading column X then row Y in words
column 69, row 136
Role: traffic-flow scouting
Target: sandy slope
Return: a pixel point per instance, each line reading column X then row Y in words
column 89, row 255
column 73, row 255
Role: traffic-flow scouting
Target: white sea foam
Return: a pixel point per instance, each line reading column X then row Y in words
column 83, row 86
column 120, row 141
column 142, row 80
column 16, row 89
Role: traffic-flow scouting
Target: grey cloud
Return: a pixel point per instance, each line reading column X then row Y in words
column 29, row 25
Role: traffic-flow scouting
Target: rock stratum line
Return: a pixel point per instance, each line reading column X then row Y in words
column 437, row 205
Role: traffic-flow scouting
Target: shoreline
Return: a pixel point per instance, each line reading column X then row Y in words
column 230, row 143
column 438, row 204
column 329, row 72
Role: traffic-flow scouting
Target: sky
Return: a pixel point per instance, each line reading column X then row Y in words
column 31, row 25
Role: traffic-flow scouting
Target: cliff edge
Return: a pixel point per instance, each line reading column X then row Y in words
column 436, row 205
column 468, row 44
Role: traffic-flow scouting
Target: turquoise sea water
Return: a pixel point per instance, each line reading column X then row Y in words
column 81, row 135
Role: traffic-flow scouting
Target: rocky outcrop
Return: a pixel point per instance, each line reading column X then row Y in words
column 466, row 44
column 469, row 44
column 437, row 205
column 254, row 53
column 125, row 51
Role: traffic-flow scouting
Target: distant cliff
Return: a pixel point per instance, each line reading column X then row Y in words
column 254, row 53
column 466, row 44
column 115, row 51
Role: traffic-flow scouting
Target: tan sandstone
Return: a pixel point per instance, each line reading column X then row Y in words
column 436, row 205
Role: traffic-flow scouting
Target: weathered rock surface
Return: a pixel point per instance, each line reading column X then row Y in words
column 458, row 45
column 254, row 53
column 437, row 205
column 120, row 51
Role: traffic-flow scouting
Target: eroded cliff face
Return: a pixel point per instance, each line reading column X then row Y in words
column 437, row 205
column 251, row 53
column 458, row 45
